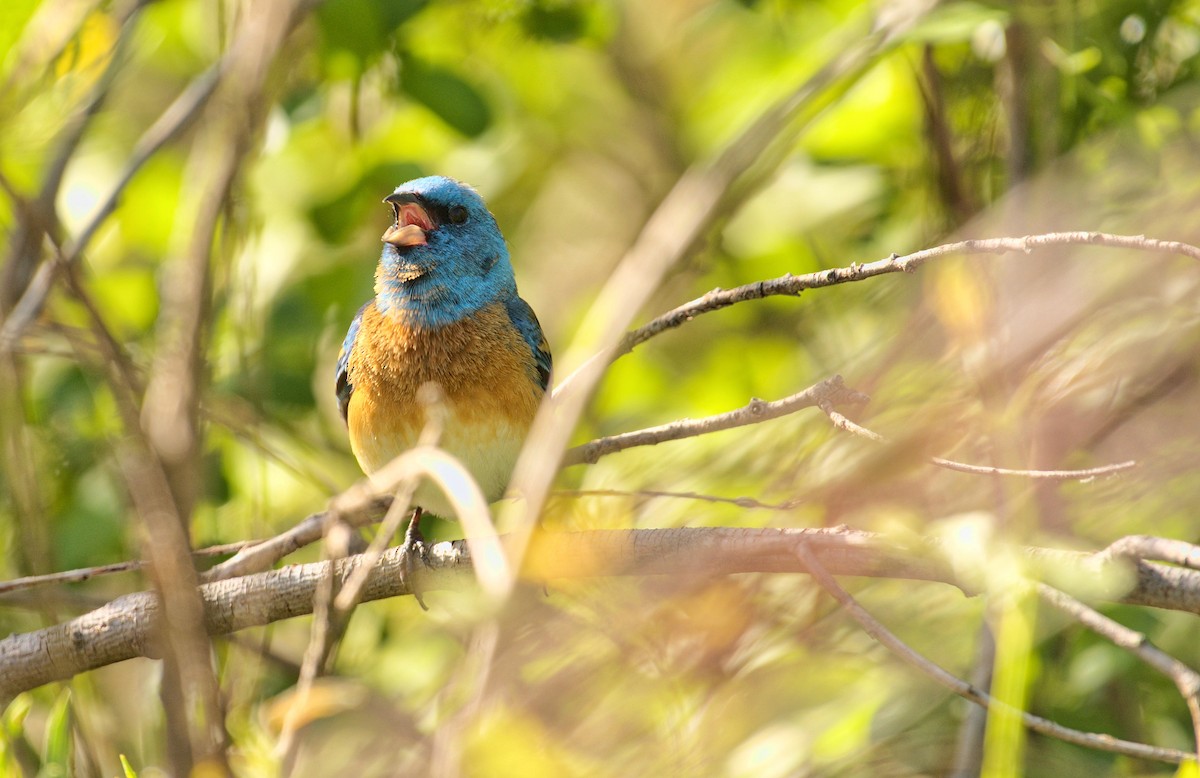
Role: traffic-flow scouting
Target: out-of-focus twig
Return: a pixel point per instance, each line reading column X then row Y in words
column 1086, row 474
column 336, row 599
column 963, row 689
column 643, row 494
column 1184, row 677
column 37, row 218
column 178, row 116
column 170, row 405
column 82, row 574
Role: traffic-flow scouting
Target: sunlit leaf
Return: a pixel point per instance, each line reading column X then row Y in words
column 127, row 768
column 57, row 756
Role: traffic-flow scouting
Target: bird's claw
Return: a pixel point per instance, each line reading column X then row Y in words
column 414, row 546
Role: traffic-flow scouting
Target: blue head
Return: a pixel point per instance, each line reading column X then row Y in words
column 443, row 257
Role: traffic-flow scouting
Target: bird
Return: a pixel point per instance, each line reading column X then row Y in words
column 445, row 311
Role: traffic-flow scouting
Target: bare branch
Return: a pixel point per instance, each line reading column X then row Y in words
column 1162, row 549
column 792, row 285
column 830, row 390
column 82, row 574
column 741, row 502
column 123, row 628
column 963, row 689
column 1185, row 678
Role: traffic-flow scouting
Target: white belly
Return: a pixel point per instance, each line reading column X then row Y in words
column 488, row 452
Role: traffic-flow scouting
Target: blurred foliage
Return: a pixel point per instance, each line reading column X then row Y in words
column 573, row 118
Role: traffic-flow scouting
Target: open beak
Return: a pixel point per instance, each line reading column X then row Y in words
column 412, row 221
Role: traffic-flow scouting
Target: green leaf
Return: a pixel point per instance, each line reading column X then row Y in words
column 57, row 757
column 127, row 768
column 455, row 102
column 15, row 713
column 355, row 33
column 956, row 23
column 559, row 22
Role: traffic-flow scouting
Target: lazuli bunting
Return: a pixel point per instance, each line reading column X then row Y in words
column 446, row 311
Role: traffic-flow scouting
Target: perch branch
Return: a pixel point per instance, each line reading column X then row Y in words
column 123, row 628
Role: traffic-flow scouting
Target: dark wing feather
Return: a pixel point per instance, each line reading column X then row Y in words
column 344, row 387
column 527, row 324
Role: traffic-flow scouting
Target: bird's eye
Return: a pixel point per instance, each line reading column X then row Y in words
column 458, row 215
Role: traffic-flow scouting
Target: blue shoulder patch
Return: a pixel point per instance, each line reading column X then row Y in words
column 524, row 319
column 344, row 387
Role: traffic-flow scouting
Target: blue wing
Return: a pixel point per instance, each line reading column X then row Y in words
column 344, row 387
column 527, row 324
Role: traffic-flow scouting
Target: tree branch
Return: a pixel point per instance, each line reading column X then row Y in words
column 123, row 628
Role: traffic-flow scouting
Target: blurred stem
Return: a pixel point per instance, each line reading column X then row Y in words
column 170, row 411
column 38, row 217
column 1004, row 738
column 449, row 740
column 957, row 203
column 20, row 473
column 1013, row 84
column 968, row 754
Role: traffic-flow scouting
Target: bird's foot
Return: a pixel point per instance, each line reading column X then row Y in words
column 414, row 547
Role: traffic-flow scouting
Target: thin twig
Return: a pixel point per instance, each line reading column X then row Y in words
column 174, row 120
column 793, row 285
column 830, row 390
column 1184, row 677
column 741, row 502
column 1087, row 474
column 361, row 508
column 81, row 574
column 322, row 636
column 960, row 687
column 1143, row 547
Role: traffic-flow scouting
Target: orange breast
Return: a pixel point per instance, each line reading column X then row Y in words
column 488, row 379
